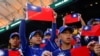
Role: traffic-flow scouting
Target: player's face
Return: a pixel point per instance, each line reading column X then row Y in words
column 14, row 41
column 36, row 39
column 66, row 37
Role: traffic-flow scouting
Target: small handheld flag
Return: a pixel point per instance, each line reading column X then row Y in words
column 71, row 18
column 39, row 13
column 91, row 30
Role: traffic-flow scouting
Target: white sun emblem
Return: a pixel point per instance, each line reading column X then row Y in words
column 33, row 7
column 74, row 15
column 86, row 28
column 61, row 54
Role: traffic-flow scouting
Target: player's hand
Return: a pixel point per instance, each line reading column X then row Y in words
column 97, row 49
column 91, row 45
column 55, row 14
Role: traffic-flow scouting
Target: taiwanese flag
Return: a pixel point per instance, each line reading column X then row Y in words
column 81, row 51
column 91, row 30
column 71, row 18
column 39, row 13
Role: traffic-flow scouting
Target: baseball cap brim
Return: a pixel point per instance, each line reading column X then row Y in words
column 64, row 28
column 14, row 35
column 68, row 29
column 35, row 33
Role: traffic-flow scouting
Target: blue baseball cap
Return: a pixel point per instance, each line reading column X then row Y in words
column 35, row 32
column 97, row 19
column 48, row 32
column 64, row 28
column 14, row 34
column 90, row 21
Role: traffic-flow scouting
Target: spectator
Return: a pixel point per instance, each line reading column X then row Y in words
column 14, row 41
column 14, row 44
column 94, row 21
column 65, row 34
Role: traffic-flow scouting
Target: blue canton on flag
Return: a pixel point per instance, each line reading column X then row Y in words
column 33, row 8
column 75, row 15
column 86, row 28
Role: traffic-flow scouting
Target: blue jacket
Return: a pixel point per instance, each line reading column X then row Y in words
column 33, row 51
column 27, row 50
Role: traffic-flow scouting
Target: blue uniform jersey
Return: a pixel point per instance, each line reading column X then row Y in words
column 60, row 52
column 51, row 45
column 27, row 50
column 33, row 51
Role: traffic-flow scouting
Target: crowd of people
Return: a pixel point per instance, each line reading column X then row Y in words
column 54, row 42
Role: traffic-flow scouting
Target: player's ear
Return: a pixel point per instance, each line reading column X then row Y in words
column 30, row 41
column 10, row 41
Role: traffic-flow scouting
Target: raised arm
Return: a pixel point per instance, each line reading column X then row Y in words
column 22, row 35
column 53, row 34
column 81, row 19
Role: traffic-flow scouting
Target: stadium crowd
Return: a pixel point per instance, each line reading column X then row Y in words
column 65, row 41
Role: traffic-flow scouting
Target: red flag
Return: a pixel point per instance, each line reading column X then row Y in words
column 81, row 51
column 14, row 53
column 71, row 18
column 91, row 30
column 39, row 13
